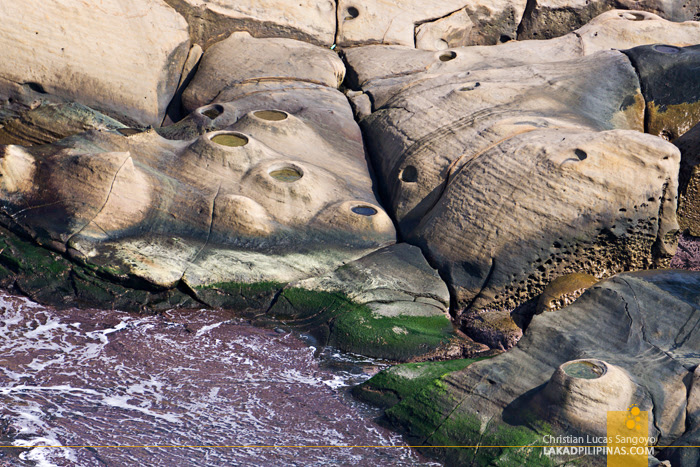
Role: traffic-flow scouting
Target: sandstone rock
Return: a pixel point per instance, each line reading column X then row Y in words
column 450, row 139
column 495, row 328
column 211, row 20
column 689, row 181
column 545, row 19
column 238, row 60
column 670, row 78
column 563, row 291
column 384, row 66
column 132, row 80
column 50, row 122
column 635, row 323
column 389, row 304
column 225, row 208
column 499, row 251
column 433, row 25
column 451, row 31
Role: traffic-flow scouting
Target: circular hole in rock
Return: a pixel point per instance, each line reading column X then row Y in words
column 213, row 111
column 632, row 16
column 233, row 140
column 469, row 87
column 504, row 38
column 287, row 174
column 129, row 131
column 584, row 369
column 364, row 210
column 271, row 115
column 447, row 56
column 666, row 49
column 580, row 154
column 409, row 174
column 352, row 13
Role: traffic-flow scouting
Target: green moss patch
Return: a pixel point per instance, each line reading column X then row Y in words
column 389, row 387
column 352, row 327
column 48, row 277
column 238, row 295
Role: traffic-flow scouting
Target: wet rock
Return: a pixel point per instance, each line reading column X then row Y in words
column 494, row 328
column 389, row 304
column 210, row 21
column 670, row 79
column 625, row 341
column 133, row 81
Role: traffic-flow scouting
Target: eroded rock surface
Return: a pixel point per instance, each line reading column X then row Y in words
column 454, row 137
column 636, row 332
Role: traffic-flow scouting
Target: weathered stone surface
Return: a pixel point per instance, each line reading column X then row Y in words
column 378, row 67
column 545, row 19
column 428, row 24
column 226, row 207
column 238, row 61
column 495, row 328
column 211, row 20
column 689, row 181
column 452, row 142
column 451, row 31
column 670, row 78
column 389, row 304
column 563, row 291
column 123, row 58
column 499, row 244
column 641, row 325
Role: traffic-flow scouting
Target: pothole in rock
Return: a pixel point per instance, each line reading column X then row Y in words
column 271, row 115
column 233, row 140
column 584, row 369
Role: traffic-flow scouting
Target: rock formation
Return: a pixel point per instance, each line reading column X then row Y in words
column 123, row 58
column 631, row 339
column 453, row 136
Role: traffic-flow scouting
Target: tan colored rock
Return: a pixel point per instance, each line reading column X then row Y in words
column 546, row 19
column 563, row 291
column 242, row 59
column 123, row 58
column 689, row 182
column 594, row 202
column 451, row 31
column 305, row 20
column 245, row 204
column 50, row 122
column 581, row 392
column 429, row 24
column 375, row 68
column 483, row 108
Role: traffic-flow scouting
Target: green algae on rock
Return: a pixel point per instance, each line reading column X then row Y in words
column 516, row 398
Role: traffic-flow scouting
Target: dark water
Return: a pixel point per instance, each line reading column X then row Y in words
column 185, row 378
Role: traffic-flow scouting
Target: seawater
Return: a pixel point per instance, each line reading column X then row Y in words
column 185, row 383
